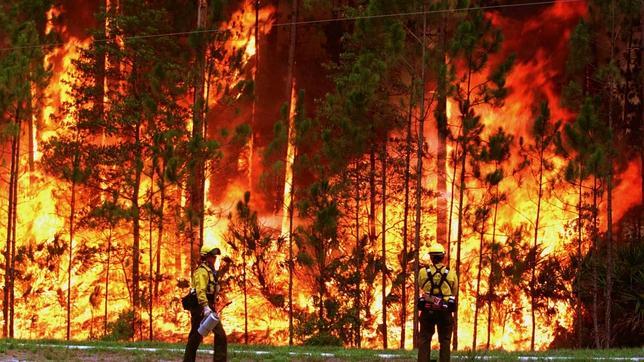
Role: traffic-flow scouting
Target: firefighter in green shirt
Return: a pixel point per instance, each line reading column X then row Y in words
column 204, row 283
column 438, row 287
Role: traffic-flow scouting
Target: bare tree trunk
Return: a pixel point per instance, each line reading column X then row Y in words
column 462, row 187
column 403, row 309
column 7, row 309
column 244, row 287
column 180, row 245
column 136, row 227
column 609, row 191
column 384, row 243
column 358, row 297
column 372, row 205
column 290, row 89
column 459, row 237
column 534, row 247
column 595, row 256
column 579, row 235
column 160, row 230
column 150, row 269
column 72, row 213
column 419, row 170
column 478, row 289
column 289, row 194
column 451, row 206
column 7, row 254
column 491, row 280
column 290, row 267
column 441, row 154
column 196, row 180
column 30, row 130
column 641, row 130
column 251, row 138
column 107, row 277
column 14, row 222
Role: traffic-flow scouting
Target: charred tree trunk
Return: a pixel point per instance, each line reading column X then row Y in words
column 136, row 227
column 403, row 309
column 7, row 310
column 107, row 277
column 372, row 208
column 244, row 287
column 251, row 138
column 14, row 222
column 419, row 171
column 595, row 255
column 641, row 105
column 30, row 129
column 579, row 235
column 290, row 267
column 491, row 280
column 534, row 247
column 7, row 253
column 478, row 289
column 384, row 244
column 150, row 269
column 160, row 229
column 462, row 186
column 289, row 95
column 451, row 205
column 72, row 213
column 459, row 237
column 358, row 295
column 321, row 290
column 441, row 154
column 609, row 190
column 197, row 171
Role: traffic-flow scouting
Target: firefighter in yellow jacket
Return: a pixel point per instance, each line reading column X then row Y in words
column 206, row 287
column 438, row 286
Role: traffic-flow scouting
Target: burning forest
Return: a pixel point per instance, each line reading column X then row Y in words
column 323, row 146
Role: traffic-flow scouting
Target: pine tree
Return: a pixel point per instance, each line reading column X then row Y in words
column 536, row 154
column 474, row 40
column 496, row 152
column 66, row 158
column 588, row 137
column 21, row 70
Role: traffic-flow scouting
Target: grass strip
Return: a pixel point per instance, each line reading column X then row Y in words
column 305, row 353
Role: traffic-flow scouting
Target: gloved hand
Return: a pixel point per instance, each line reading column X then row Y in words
column 206, row 311
column 421, row 304
column 451, row 304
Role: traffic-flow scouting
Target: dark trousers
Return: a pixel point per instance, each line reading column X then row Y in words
column 194, row 339
column 429, row 321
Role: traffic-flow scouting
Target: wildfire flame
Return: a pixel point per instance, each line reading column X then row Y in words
column 40, row 308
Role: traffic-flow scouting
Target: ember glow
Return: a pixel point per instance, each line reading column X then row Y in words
column 42, row 226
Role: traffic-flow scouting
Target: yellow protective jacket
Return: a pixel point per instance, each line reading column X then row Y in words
column 205, row 285
column 443, row 282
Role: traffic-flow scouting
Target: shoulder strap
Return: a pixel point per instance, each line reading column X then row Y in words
column 212, row 274
column 444, row 273
column 434, row 286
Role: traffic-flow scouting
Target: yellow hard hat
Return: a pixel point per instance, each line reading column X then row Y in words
column 208, row 248
column 436, row 249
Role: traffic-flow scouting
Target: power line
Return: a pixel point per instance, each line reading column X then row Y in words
column 313, row 22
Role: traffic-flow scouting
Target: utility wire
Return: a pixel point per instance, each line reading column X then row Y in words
column 313, row 22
